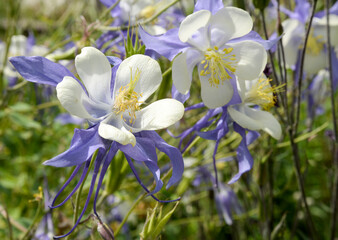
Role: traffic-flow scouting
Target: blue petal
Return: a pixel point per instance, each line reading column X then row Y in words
column 83, row 145
column 112, row 152
column 179, row 96
column 211, row 5
column 40, row 70
column 91, row 188
column 244, row 157
column 173, row 153
column 114, row 60
column 167, row 44
column 254, row 36
column 145, row 151
column 332, row 10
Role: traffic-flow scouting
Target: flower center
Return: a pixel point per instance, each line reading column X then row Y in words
column 263, row 94
column 147, row 12
column 314, row 44
column 127, row 98
column 219, row 64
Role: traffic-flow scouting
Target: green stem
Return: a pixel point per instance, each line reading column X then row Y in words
column 129, row 212
column 107, row 11
column 36, row 219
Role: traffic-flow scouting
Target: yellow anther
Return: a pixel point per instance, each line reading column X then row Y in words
column 263, row 94
column 127, row 98
column 315, row 44
column 147, row 12
column 219, row 65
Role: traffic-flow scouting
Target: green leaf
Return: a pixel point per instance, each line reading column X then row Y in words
column 163, row 222
column 24, row 121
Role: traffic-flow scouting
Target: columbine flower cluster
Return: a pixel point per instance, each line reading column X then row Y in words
column 230, row 59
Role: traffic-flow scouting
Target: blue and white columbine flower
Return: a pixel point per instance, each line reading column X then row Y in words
column 254, row 93
column 119, row 111
column 208, row 38
column 111, row 100
column 316, row 50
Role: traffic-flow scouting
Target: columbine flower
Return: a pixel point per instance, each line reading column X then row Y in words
column 316, row 50
column 260, row 93
column 119, row 111
column 206, row 38
column 113, row 107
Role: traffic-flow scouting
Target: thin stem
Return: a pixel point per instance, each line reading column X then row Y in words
column 301, row 70
column 107, row 11
column 36, row 219
column 293, row 131
column 10, row 229
column 334, row 197
column 141, row 23
column 129, row 212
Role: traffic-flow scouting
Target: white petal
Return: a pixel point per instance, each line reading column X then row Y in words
column 238, row 114
column 213, row 96
column 95, row 72
column 255, row 119
column 158, row 115
column 251, row 57
column 234, row 21
column 314, row 63
column 154, row 29
column 182, row 68
column 120, row 135
column 294, row 33
column 319, row 28
column 71, row 96
column 150, row 75
column 192, row 23
column 18, row 45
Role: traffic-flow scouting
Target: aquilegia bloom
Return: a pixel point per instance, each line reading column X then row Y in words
column 207, row 38
column 111, row 101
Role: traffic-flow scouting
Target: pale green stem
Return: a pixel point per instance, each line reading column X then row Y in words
column 36, row 219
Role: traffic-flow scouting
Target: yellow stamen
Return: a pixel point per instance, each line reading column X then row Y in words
column 147, row 12
column 263, row 94
column 219, row 64
column 127, row 99
column 314, row 44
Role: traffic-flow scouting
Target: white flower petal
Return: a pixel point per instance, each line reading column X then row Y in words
column 255, row 119
column 319, row 28
column 314, row 63
column 251, row 57
column 120, row 135
column 182, row 68
column 192, row 23
column 95, row 72
column 213, row 96
column 71, row 96
column 294, row 33
column 233, row 21
column 150, row 75
column 158, row 115
column 18, row 46
column 238, row 114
